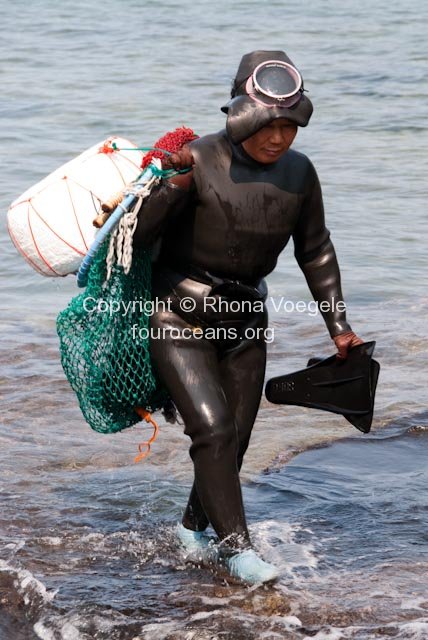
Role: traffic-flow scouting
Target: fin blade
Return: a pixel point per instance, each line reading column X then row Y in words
column 344, row 387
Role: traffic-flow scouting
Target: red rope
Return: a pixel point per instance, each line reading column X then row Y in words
column 172, row 142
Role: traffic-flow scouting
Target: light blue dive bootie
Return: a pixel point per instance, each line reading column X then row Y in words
column 248, row 567
column 198, row 546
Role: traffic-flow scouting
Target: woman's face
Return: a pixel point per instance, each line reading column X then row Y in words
column 268, row 144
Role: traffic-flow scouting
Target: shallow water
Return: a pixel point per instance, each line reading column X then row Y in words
column 86, row 537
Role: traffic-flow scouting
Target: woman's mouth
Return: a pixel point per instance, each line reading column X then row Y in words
column 272, row 152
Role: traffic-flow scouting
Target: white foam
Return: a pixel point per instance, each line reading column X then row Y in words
column 67, row 632
column 414, row 603
column 70, row 632
column 51, row 541
column 92, row 537
column 276, row 542
column 43, row 632
column 158, row 630
column 27, row 584
column 417, row 630
column 202, row 615
column 14, row 546
column 291, row 621
column 224, row 602
column 328, row 634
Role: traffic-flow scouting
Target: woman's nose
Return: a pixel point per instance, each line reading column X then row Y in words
column 276, row 136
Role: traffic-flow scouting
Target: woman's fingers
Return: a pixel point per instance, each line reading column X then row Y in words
column 344, row 342
column 180, row 160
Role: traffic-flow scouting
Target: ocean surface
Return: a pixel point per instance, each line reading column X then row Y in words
column 87, row 549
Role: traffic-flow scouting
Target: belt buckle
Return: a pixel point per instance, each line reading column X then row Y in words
column 236, row 289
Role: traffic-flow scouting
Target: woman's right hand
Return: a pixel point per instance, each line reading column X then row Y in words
column 180, row 161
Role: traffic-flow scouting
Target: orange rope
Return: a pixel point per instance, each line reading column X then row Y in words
column 145, row 415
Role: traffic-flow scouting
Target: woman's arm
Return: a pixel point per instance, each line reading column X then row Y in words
column 165, row 202
column 316, row 257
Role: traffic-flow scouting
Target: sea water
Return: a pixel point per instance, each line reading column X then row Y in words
column 86, row 536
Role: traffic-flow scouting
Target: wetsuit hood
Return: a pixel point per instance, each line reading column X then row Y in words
column 246, row 116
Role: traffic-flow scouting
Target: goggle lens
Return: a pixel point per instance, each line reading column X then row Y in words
column 275, row 81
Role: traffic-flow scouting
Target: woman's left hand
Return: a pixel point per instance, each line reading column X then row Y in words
column 344, row 342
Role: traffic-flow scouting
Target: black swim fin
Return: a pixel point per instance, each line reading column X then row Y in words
column 346, row 386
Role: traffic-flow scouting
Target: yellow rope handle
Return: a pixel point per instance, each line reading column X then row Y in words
column 108, row 207
column 145, row 415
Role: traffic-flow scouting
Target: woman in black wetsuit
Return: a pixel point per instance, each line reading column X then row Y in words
column 223, row 226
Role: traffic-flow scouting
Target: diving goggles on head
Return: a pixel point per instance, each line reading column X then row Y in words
column 275, row 84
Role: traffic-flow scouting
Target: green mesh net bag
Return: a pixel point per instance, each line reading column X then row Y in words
column 104, row 333
column 105, row 347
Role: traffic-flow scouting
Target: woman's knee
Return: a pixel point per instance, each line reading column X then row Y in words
column 213, row 434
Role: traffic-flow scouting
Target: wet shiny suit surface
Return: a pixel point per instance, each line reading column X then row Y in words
column 230, row 227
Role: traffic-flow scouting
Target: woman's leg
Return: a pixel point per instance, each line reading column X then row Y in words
column 242, row 373
column 190, row 370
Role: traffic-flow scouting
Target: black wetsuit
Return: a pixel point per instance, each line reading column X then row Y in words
column 231, row 226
